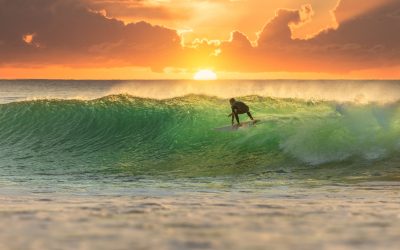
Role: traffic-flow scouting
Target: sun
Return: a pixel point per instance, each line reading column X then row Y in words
column 205, row 74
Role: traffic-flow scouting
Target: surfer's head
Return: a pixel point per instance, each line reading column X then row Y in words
column 232, row 101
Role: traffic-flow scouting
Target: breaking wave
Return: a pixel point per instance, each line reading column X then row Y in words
column 122, row 133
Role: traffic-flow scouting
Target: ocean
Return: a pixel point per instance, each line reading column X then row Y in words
column 139, row 165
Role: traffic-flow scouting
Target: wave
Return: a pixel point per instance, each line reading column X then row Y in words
column 176, row 136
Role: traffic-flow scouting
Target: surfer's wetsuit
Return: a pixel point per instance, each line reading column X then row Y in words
column 239, row 108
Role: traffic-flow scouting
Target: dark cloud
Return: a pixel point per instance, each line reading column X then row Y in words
column 67, row 32
column 278, row 30
column 366, row 39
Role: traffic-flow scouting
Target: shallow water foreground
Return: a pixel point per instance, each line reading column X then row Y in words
column 356, row 216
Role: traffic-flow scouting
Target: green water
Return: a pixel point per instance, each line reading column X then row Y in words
column 128, row 137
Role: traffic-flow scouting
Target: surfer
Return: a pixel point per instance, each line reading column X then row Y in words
column 237, row 109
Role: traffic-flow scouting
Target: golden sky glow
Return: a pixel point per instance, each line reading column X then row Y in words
column 130, row 39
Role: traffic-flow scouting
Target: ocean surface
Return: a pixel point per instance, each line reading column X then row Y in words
column 139, row 165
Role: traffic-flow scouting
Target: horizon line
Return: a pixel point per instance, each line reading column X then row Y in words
column 188, row 79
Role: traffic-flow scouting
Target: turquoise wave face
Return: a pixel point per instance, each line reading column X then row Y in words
column 176, row 137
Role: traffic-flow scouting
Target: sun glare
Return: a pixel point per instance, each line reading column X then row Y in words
column 205, row 74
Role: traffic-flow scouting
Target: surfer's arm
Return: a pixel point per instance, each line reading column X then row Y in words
column 231, row 115
column 237, row 118
column 235, row 115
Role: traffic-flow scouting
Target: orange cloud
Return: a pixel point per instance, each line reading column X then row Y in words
column 350, row 9
column 133, row 9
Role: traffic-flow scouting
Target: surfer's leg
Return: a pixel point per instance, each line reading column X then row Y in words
column 249, row 114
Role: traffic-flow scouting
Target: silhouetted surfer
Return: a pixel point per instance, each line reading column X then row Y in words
column 237, row 109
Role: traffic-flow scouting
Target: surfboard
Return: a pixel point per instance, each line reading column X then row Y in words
column 243, row 125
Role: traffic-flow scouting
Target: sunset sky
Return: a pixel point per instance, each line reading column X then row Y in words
column 164, row 39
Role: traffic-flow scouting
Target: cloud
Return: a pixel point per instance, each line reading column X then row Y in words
column 37, row 33
column 135, row 9
column 67, row 32
column 278, row 30
column 367, row 39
